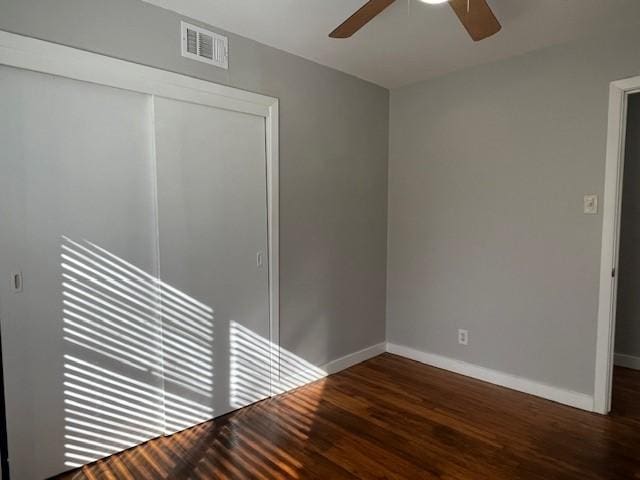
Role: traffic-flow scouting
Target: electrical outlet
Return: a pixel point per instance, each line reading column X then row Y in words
column 463, row 337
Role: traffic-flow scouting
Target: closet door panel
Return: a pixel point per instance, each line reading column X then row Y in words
column 81, row 334
column 213, row 252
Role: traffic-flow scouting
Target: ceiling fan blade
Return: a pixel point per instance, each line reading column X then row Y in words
column 359, row 19
column 477, row 18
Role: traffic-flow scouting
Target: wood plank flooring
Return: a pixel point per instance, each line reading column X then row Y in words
column 392, row 418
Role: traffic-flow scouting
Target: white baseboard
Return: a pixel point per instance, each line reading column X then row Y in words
column 566, row 397
column 354, row 358
column 628, row 361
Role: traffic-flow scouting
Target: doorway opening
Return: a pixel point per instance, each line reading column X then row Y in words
column 618, row 244
column 626, row 371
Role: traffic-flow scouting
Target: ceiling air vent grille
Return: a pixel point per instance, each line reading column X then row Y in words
column 205, row 46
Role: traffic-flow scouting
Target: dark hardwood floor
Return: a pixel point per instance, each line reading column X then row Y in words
column 397, row 419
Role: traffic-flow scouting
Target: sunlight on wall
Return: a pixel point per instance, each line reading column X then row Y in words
column 256, row 371
column 130, row 338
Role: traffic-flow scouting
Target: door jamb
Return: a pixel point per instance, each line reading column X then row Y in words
column 619, row 92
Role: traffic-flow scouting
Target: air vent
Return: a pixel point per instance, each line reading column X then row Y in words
column 205, row 46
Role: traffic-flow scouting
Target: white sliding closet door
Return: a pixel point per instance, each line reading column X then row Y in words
column 213, row 248
column 81, row 332
column 134, row 282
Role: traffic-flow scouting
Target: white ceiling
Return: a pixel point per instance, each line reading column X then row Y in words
column 410, row 41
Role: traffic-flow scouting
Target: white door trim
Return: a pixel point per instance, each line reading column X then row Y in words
column 46, row 57
column 614, row 168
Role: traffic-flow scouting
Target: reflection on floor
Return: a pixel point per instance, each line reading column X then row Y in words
column 394, row 418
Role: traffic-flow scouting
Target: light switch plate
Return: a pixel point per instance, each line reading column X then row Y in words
column 590, row 204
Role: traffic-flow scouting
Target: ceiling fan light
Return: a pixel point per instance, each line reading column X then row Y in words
column 434, row 2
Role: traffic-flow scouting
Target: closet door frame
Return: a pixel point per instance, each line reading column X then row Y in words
column 45, row 57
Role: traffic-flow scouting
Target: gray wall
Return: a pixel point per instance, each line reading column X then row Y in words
column 487, row 172
column 334, row 137
column 628, row 313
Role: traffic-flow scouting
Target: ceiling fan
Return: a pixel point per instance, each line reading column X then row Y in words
column 475, row 15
